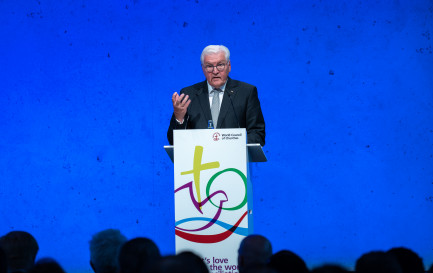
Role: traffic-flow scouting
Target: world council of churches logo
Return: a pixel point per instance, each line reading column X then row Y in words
column 216, row 136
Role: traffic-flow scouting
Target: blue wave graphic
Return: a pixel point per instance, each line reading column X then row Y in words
column 239, row 230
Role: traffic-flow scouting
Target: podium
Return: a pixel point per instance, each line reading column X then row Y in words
column 213, row 193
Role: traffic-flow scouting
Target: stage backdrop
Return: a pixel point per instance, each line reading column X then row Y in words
column 346, row 89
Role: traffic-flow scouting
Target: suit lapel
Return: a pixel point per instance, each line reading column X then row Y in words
column 226, row 104
column 203, row 98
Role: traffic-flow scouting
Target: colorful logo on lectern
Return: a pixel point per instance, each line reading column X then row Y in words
column 218, row 198
column 216, row 136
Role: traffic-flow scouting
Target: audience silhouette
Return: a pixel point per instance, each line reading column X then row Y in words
column 138, row 255
column 286, row 261
column 181, row 263
column 195, row 261
column 47, row 265
column 409, row 261
column 259, row 268
column 110, row 252
column 21, row 249
column 104, row 250
column 254, row 250
column 329, row 269
column 3, row 263
column 377, row 262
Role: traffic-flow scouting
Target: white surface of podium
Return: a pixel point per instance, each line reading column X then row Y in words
column 213, row 195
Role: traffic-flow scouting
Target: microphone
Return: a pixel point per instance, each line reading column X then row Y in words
column 210, row 124
column 231, row 102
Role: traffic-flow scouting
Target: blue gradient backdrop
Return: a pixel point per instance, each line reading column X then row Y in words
column 346, row 90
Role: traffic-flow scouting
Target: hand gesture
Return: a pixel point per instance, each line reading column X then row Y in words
column 180, row 105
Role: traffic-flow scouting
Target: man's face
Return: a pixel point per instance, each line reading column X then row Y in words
column 216, row 78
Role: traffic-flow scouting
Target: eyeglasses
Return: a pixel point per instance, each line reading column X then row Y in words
column 220, row 67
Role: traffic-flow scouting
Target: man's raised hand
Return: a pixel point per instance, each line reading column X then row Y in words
column 180, row 105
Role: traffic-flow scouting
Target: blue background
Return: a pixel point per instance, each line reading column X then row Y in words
column 346, row 89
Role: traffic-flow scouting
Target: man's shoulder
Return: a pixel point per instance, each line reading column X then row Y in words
column 240, row 84
column 235, row 84
column 194, row 89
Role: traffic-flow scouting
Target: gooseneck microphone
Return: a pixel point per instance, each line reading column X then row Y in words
column 233, row 108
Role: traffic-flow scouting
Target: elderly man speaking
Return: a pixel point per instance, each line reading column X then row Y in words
column 219, row 100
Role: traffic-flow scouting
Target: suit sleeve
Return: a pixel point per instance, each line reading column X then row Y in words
column 174, row 125
column 255, row 123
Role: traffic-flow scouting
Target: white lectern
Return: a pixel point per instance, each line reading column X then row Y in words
column 213, row 193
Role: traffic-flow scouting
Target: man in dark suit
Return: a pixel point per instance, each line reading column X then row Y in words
column 221, row 101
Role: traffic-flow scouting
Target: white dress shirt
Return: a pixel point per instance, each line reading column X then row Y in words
column 221, row 94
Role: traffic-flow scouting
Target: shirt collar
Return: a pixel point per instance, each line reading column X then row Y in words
column 210, row 88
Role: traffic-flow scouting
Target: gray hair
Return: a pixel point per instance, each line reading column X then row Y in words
column 104, row 250
column 214, row 49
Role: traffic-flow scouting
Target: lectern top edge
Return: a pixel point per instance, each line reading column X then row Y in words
column 255, row 152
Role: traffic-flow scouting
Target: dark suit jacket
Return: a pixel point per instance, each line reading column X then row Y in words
column 245, row 102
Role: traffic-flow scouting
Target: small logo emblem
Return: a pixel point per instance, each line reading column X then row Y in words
column 216, row 136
